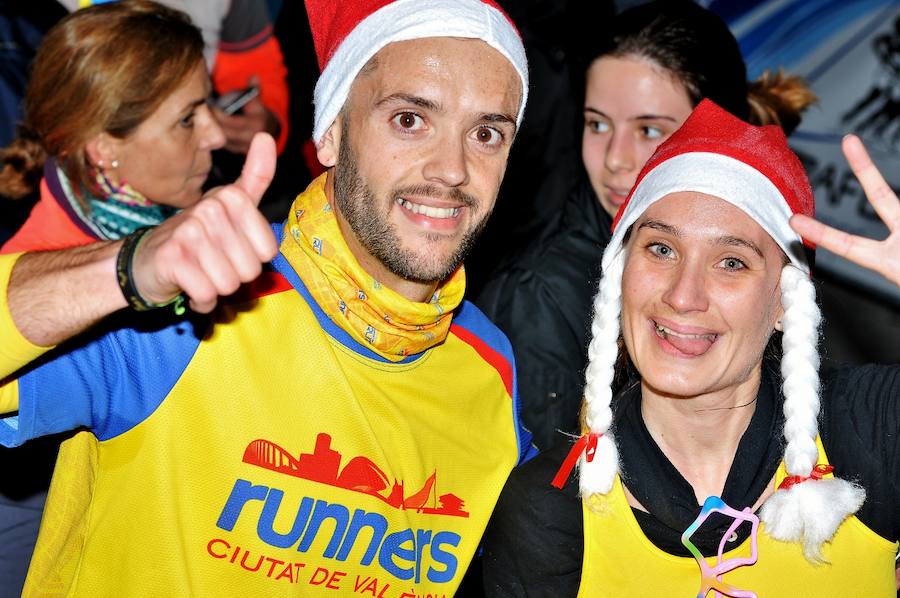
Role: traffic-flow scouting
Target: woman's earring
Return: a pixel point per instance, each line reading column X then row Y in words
column 114, row 163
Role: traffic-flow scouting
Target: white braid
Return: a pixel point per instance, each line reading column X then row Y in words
column 800, row 370
column 598, row 475
column 811, row 511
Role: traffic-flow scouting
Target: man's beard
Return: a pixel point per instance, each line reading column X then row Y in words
column 360, row 208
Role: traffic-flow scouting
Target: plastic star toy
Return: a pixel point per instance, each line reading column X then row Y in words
column 711, row 577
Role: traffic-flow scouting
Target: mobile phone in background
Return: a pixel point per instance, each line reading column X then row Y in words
column 233, row 101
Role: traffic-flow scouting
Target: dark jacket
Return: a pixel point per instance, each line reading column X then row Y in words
column 560, row 38
column 542, row 301
column 534, row 544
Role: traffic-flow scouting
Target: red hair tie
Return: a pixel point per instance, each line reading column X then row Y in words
column 587, row 444
column 816, row 474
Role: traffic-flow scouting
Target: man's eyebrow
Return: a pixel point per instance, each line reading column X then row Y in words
column 738, row 242
column 408, row 98
column 661, row 226
column 498, row 118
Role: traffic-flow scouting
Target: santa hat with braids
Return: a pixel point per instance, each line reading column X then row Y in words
column 347, row 34
column 752, row 168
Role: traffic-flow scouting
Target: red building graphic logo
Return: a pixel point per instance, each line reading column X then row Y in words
column 360, row 474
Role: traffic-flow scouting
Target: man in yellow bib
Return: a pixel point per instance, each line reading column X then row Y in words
column 341, row 424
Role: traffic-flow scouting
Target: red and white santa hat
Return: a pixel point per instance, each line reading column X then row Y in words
column 718, row 154
column 752, row 168
column 348, row 34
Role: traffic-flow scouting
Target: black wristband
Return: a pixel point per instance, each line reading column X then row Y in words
column 124, row 275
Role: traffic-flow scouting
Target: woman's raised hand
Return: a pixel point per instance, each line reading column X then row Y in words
column 880, row 256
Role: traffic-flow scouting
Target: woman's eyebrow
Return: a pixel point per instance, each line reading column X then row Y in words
column 654, row 117
column 729, row 240
column 193, row 105
column 738, row 242
column 661, row 226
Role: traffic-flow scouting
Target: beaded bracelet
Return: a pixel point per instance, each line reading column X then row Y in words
column 124, row 261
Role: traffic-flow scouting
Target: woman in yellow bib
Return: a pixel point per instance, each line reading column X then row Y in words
column 727, row 466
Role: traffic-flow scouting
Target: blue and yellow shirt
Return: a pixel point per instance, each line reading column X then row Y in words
column 268, row 453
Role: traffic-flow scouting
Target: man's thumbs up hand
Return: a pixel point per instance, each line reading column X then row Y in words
column 211, row 248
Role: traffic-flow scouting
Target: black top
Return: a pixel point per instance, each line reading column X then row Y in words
column 560, row 39
column 543, row 304
column 534, row 543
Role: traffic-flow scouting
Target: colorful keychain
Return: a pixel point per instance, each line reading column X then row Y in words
column 711, row 577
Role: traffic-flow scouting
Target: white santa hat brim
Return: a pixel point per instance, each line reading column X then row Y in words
column 406, row 20
column 720, row 176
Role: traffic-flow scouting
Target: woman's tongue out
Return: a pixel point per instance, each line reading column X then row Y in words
column 689, row 344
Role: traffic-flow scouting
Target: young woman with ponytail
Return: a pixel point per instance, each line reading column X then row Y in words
column 728, row 465
column 658, row 61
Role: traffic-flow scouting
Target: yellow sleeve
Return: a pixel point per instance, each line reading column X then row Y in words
column 9, row 397
column 15, row 349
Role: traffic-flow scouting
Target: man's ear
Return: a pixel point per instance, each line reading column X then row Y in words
column 327, row 148
column 101, row 150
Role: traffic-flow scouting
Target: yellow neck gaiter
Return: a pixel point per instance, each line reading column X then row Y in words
column 374, row 315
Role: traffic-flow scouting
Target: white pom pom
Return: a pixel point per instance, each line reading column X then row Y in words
column 597, row 476
column 810, row 513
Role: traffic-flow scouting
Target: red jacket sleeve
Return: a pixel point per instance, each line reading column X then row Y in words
column 235, row 64
column 48, row 227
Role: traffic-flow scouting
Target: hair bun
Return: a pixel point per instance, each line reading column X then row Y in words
column 779, row 99
column 22, row 166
